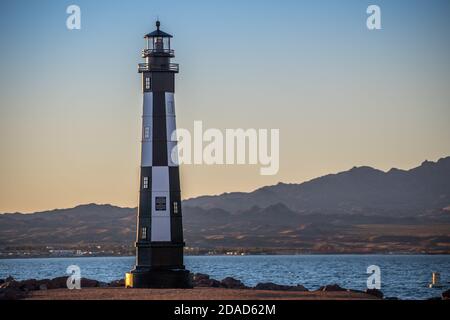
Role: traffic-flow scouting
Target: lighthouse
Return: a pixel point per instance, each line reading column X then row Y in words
column 159, row 240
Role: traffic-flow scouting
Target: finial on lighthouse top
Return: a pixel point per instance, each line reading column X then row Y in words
column 158, row 33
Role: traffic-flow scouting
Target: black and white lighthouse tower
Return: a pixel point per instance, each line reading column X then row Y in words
column 159, row 244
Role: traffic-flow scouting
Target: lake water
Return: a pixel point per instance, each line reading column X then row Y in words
column 402, row 276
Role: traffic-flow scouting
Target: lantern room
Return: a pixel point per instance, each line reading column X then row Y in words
column 157, row 43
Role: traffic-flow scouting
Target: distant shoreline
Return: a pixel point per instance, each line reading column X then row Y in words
column 226, row 255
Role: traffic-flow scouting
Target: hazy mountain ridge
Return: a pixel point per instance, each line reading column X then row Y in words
column 361, row 189
column 81, row 224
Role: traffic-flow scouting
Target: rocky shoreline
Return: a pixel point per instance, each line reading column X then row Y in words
column 11, row 289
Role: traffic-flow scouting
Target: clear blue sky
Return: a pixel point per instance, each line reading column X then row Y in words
column 340, row 94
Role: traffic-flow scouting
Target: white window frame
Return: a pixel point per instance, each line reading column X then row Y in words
column 147, row 83
column 171, row 107
column 144, row 233
column 147, row 132
column 145, row 183
column 175, row 207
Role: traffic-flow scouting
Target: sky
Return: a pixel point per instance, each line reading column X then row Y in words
column 340, row 94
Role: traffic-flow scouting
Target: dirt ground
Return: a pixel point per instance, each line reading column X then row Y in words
column 191, row 294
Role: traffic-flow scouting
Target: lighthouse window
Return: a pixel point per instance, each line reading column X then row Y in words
column 160, row 203
column 144, row 233
column 146, row 132
column 145, row 183
column 170, row 107
column 147, row 83
column 175, row 207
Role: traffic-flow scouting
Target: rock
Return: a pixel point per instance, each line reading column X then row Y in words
column 232, row 283
column 331, row 287
column 279, row 287
column 434, row 299
column 88, row 283
column 29, row 285
column 10, row 284
column 375, row 292
column 117, row 283
column 298, row 287
column 203, row 280
column 43, row 287
column 25, row 285
column 2, row 281
column 210, row 283
column 355, row 291
column 11, row 294
column 43, row 282
column 197, row 276
column 200, row 277
column 57, row 283
column 103, row 284
column 446, row 295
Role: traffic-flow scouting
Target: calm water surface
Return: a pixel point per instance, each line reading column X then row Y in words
column 403, row 276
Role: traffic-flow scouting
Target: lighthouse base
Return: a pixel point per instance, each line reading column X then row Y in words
column 169, row 278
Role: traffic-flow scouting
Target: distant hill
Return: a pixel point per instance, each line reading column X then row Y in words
column 359, row 210
column 359, row 190
column 90, row 223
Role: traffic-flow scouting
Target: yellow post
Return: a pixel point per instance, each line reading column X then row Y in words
column 128, row 280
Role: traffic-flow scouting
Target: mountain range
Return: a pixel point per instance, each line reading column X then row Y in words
column 359, row 210
column 365, row 190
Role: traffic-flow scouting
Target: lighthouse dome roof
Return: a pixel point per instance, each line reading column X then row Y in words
column 158, row 33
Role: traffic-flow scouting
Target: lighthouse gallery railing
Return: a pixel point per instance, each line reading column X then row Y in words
column 150, row 67
column 157, row 52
